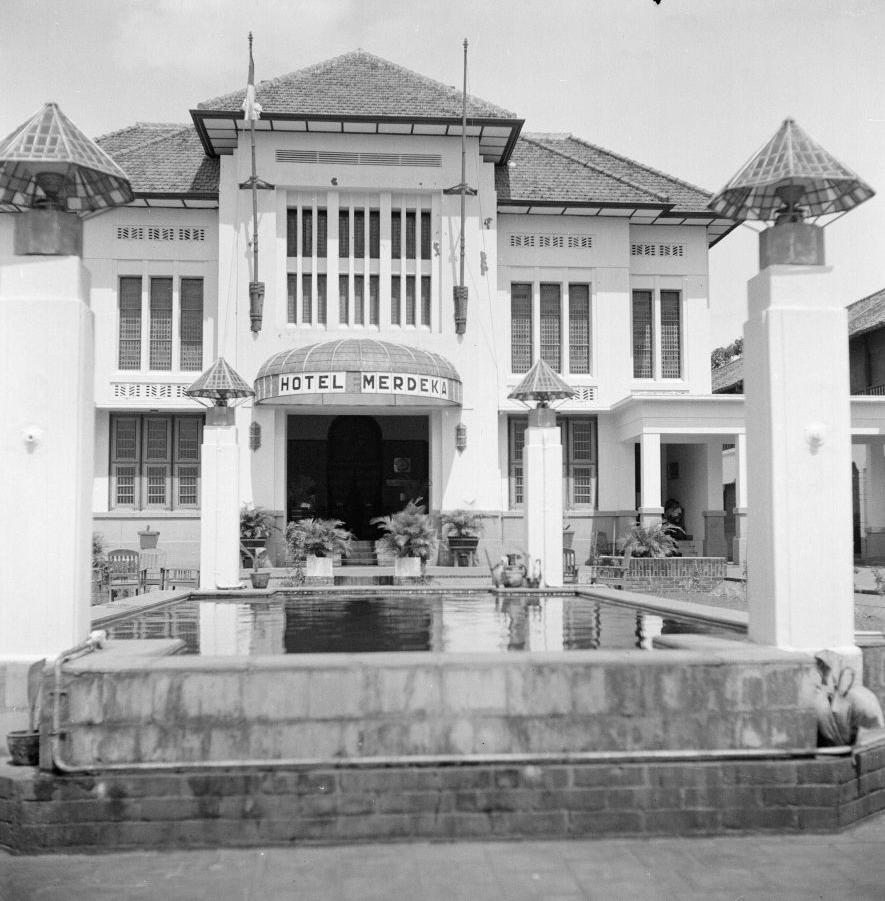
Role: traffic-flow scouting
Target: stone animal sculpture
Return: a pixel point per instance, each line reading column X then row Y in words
column 498, row 573
column 843, row 708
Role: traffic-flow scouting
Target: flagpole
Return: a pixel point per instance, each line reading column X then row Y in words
column 254, row 186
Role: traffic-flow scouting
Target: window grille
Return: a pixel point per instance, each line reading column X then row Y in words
column 157, row 492
column 671, row 335
column 307, row 234
column 160, row 335
column 425, row 300
column 359, row 301
column 396, row 234
column 395, row 301
column 551, row 240
column 187, row 444
column 126, row 438
column 551, row 326
column 156, row 444
column 374, row 300
column 291, row 233
column 581, row 242
column 583, row 483
column 191, row 324
column 123, row 481
column 520, row 327
column 359, row 234
column 522, row 240
column 410, row 300
column 579, row 329
column 322, row 233
column 657, row 250
column 643, row 335
column 343, row 300
column 188, row 480
column 291, row 298
column 343, row 234
column 411, row 251
column 306, row 299
column 129, row 351
column 374, row 234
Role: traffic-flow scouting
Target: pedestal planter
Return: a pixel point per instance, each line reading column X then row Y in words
column 24, row 747
column 463, row 549
column 407, row 568
column 514, row 575
column 318, row 567
column 259, row 580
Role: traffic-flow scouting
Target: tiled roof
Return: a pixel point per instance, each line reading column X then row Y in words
column 727, row 375
column 866, row 314
column 161, row 158
column 563, row 167
column 359, row 84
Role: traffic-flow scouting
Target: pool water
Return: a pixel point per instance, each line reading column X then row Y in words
column 449, row 623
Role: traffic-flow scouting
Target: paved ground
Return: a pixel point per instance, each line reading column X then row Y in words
column 849, row 866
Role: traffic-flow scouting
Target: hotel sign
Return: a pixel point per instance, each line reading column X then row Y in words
column 398, row 384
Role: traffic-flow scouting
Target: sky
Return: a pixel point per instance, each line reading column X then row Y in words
column 690, row 87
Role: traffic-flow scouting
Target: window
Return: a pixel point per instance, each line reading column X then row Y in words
column 521, row 327
column 314, row 309
column 543, row 330
column 579, row 461
column 343, row 300
column 155, row 461
column 395, row 299
column 164, row 306
column 410, row 300
column 657, row 334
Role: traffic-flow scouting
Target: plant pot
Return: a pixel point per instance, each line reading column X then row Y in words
column 148, row 540
column 259, row 580
column 317, row 567
column 24, row 747
column 407, row 568
column 462, row 547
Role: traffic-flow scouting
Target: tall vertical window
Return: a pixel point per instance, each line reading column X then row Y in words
column 551, row 326
column 410, row 300
column 374, row 300
column 343, row 300
column 579, row 460
column 411, row 242
column 129, row 356
column 374, row 234
column 155, row 461
column 657, row 335
column 306, row 298
column 291, row 233
column 579, row 329
column 521, row 327
column 292, row 298
column 671, row 335
column 322, row 316
column 359, row 234
column 322, row 233
column 643, row 335
column 425, row 236
column 425, row 300
column 359, row 300
column 191, row 325
column 161, row 324
column 395, row 300
column 343, row 234
column 396, row 234
column 307, row 233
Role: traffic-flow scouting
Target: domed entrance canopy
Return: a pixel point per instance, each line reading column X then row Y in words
column 359, row 372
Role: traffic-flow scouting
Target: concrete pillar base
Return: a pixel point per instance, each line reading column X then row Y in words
column 874, row 543
column 714, row 533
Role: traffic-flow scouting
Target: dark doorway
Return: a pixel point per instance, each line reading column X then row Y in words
column 355, row 468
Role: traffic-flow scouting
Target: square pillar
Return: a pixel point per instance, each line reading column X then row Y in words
column 800, row 575
column 650, row 507
column 220, row 502
column 714, row 515
column 542, row 459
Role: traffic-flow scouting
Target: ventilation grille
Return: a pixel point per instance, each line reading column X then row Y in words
column 352, row 158
column 159, row 233
column 148, row 390
column 572, row 242
column 657, row 250
column 584, row 393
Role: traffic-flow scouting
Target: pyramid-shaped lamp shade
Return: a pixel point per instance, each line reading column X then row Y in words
column 220, row 384
column 791, row 179
column 542, row 385
column 48, row 162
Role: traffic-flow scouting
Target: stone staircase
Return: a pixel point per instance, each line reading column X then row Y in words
column 362, row 553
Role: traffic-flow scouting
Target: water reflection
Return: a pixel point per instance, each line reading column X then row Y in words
column 442, row 623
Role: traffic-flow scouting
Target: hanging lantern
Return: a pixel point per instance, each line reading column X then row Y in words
column 254, row 436
column 256, row 305
column 460, row 437
column 460, row 293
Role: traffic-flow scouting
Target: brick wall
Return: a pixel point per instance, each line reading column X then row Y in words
column 44, row 812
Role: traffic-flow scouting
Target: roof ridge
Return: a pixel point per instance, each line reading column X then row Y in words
column 619, row 178
column 627, row 159
column 359, row 53
column 136, row 125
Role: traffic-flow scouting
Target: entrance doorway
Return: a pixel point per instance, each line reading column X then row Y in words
column 354, row 467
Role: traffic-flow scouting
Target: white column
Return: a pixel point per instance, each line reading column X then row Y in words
column 220, row 502
column 874, row 507
column 739, row 542
column 542, row 459
column 714, row 515
column 48, row 420
column 650, row 508
column 800, row 562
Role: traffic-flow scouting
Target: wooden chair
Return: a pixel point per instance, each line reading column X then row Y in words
column 123, row 572
column 569, row 566
column 150, row 570
column 176, row 577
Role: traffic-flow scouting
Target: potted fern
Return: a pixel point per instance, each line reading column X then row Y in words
column 461, row 529
column 317, row 542
column 409, row 536
column 656, row 540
